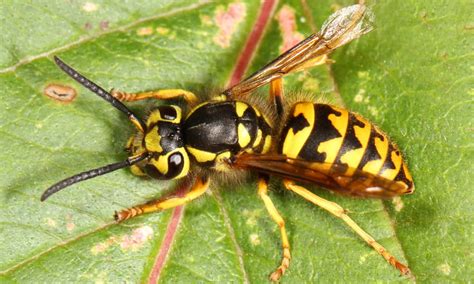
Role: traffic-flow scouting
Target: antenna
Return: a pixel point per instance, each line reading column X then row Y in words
column 92, row 174
column 139, row 124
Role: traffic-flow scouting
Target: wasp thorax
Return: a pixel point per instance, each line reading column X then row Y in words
column 164, row 141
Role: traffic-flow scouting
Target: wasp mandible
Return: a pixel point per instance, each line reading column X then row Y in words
column 300, row 141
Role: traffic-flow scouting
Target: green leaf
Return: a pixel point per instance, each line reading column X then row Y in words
column 412, row 76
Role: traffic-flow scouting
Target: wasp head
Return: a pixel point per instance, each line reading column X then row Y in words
column 164, row 143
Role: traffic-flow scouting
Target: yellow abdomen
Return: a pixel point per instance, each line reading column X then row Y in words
column 333, row 136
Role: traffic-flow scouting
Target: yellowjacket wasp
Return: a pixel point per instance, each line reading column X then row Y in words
column 302, row 141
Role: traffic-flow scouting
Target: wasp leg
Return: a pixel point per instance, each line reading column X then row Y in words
column 277, row 95
column 199, row 188
column 167, row 94
column 285, row 262
column 338, row 211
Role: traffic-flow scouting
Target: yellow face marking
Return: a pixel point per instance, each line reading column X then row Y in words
column 153, row 118
column 137, row 171
column 397, row 161
column 200, row 155
column 221, row 164
column 161, row 164
column 240, row 108
column 258, row 139
column 152, row 141
column 267, row 145
column 295, row 141
column 332, row 147
column 374, row 166
column 352, row 158
column 243, row 135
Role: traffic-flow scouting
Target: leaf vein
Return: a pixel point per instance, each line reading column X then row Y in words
column 86, row 38
column 58, row 245
column 231, row 233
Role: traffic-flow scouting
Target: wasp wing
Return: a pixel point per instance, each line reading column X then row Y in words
column 336, row 177
column 341, row 27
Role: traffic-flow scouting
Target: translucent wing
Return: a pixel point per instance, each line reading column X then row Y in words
column 331, row 176
column 341, row 27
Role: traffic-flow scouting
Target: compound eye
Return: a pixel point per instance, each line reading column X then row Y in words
column 168, row 112
column 175, row 165
column 167, row 168
column 176, row 159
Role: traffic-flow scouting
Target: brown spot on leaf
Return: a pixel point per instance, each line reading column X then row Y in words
column 227, row 22
column 469, row 27
column 255, row 239
column 126, row 242
column 145, row 31
column 61, row 93
column 103, row 246
column 206, row 20
column 398, row 203
column 70, row 226
column 50, row 222
column 287, row 23
column 138, row 237
column 445, row 268
column 90, row 7
column 104, row 25
column 162, row 31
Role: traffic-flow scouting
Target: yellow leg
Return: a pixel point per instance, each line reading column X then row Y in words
column 338, row 211
column 276, row 95
column 167, row 94
column 200, row 186
column 285, row 262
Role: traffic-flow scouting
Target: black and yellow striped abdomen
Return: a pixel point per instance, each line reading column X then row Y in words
column 221, row 129
column 335, row 137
